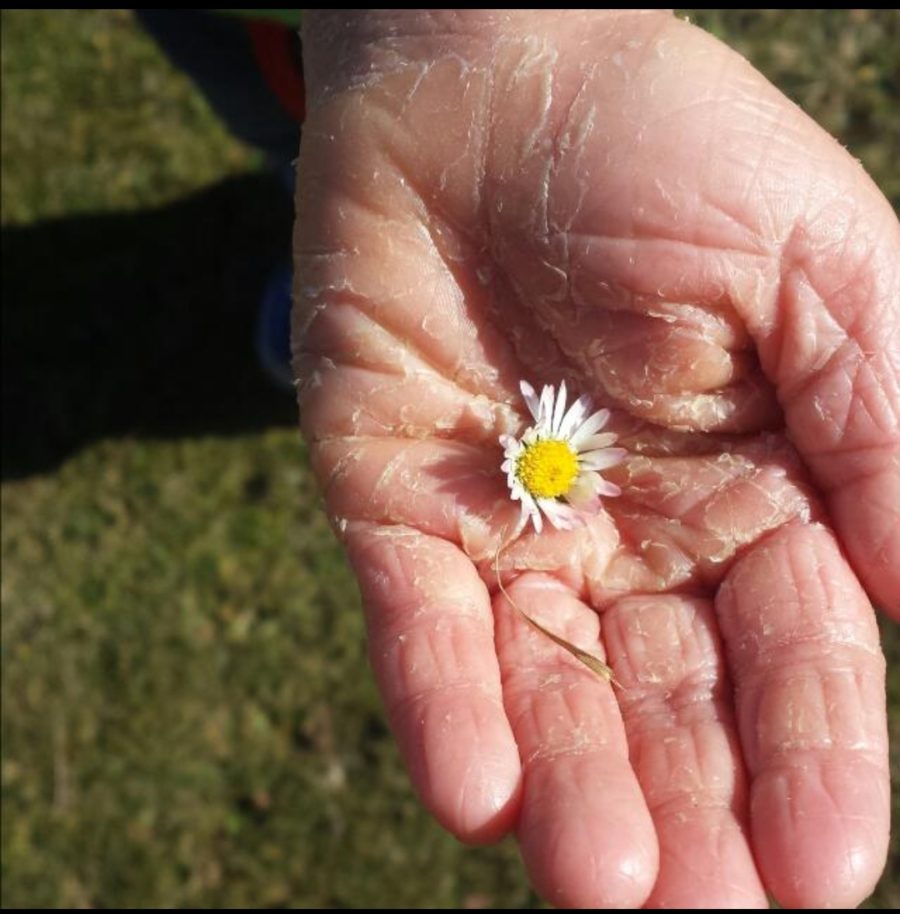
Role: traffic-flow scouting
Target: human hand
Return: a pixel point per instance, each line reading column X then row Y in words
column 619, row 201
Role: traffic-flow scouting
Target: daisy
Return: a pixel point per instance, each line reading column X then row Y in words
column 554, row 468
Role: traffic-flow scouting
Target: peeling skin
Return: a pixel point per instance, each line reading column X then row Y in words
column 617, row 201
column 465, row 319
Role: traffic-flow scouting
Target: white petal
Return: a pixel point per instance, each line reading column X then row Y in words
column 513, row 452
column 546, row 505
column 587, row 490
column 559, row 409
column 574, row 519
column 529, row 508
column 575, row 416
column 515, row 484
column 607, row 488
column 546, row 406
column 590, row 426
column 596, row 442
column 600, row 460
column 560, row 516
column 531, row 399
column 583, row 494
column 521, row 524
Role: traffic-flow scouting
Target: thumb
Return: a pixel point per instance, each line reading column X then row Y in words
column 828, row 332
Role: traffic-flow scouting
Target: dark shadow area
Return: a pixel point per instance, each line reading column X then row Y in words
column 140, row 323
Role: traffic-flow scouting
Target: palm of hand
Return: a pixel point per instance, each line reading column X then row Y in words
column 467, row 223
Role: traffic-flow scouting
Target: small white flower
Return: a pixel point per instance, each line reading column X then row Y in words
column 559, row 457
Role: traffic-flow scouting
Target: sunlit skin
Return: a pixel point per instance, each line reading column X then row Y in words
column 621, row 202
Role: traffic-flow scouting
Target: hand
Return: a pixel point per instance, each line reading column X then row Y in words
column 619, row 201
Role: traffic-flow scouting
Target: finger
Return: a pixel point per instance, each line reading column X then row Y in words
column 846, row 421
column 831, row 343
column 448, row 489
column 362, row 377
column 676, row 702
column 586, row 836
column 803, row 649
column 361, row 213
column 824, row 310
column 452, row 490
column 431, row 643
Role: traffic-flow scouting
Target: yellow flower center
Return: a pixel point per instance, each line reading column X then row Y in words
column 547, row 469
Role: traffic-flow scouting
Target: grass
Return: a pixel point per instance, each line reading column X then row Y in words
column 187, row 715
column 94, row 120
column 176, row 735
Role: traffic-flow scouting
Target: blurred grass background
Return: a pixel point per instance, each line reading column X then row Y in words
column 188, row 720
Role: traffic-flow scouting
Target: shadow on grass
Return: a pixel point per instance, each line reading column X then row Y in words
column 140, row 323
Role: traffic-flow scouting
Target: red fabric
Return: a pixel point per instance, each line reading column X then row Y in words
column 282, row 73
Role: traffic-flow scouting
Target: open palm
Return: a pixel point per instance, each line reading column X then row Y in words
column 620, row 202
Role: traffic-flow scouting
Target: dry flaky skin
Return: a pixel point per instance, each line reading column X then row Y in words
column 619, row 201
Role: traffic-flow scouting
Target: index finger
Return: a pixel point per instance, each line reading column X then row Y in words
column 431, row 644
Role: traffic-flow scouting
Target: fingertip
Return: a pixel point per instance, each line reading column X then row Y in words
column 463, row 762
column 821, row 832
column 624, row 879
column 584, row 850
column 432, row 650
column 488, row 806
column 705, row 862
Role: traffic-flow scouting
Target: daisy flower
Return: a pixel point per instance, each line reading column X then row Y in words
column 554, row 468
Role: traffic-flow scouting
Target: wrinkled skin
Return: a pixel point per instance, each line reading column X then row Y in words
column 619, row 201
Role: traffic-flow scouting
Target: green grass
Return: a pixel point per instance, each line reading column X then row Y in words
column 188, row 719
column 94, row 120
